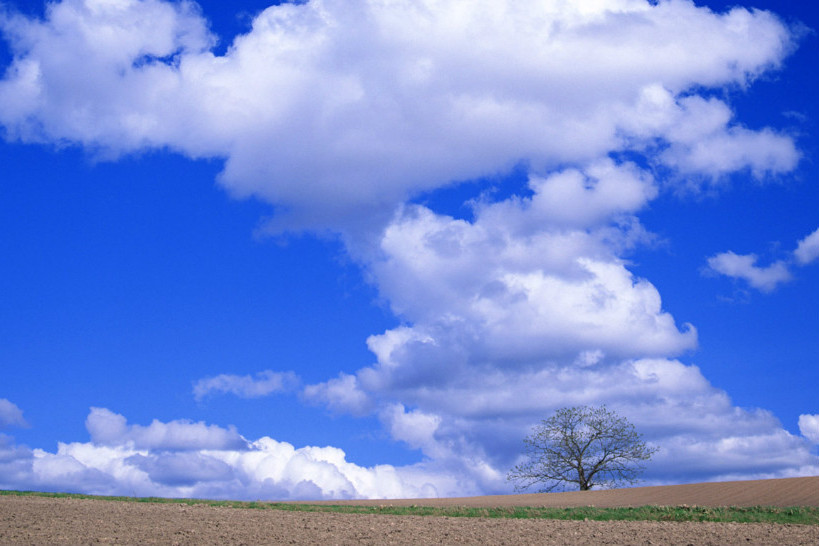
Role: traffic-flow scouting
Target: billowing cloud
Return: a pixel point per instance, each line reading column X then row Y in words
column 809, row 427
column 808, row 249
column 469, row 432
column 743, row 266
column 703, row 141
column 690, row 420
column 203, row 466
column 11, row 415
column 337, row 111
column 340, row 394
column 245, row 386
column 473, row 426
column 525, row 281
column 111, row 429
column 528, row 308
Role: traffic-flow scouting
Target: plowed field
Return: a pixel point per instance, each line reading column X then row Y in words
column 41, row 520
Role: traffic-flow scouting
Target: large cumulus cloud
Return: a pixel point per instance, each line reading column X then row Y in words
column 520, row 312
column 333, row 109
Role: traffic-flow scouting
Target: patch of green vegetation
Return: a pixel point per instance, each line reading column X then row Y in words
column 800, row 515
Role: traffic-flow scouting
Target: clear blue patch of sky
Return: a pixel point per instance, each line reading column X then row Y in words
column 763, row 349
column 230, row 19
column 125, row 282
column 458, row 199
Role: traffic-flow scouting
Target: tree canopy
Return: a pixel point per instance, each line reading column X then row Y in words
column 582, row 445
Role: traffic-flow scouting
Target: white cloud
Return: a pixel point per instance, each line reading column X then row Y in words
column 339, row 110
column 511, row 288
column 519, row 312
column 766, row 279
column 11, row 415
column 808, row 249
column 246, row 386
column 181, row 469
column 467, row 443
column 111, row 429
column 743, row 266
column 703, row 141
column 262, row 469
column 472, row 424
column 809, row 427
column 340, row 394
column 577, row 198
column 415, row 428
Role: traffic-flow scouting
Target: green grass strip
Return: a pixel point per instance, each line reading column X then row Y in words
column 800, row 515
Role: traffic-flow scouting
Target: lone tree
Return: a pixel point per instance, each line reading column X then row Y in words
column 584, row 446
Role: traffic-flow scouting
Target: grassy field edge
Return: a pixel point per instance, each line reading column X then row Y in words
column 798, row 515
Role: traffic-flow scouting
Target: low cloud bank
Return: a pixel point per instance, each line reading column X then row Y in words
column 185, row 459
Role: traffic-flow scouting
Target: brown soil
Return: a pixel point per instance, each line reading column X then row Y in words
column 40, row 520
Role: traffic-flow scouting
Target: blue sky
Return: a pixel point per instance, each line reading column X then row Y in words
column 335, row 249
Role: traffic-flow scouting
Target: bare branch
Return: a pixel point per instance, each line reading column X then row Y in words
column 584, row 446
